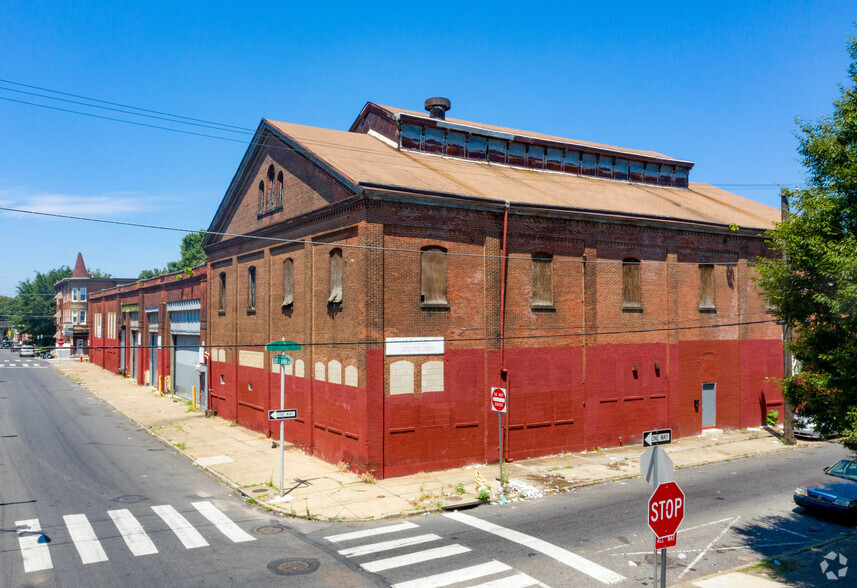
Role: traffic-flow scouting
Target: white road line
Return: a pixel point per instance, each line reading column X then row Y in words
column 34, row 548
column 223, row 522
column 132, row 532
column 564, row 556
column 520, row 580
column 189, row 536
column 388, row 545
column 707, row 547
column 414, row 558
column 87, row 544
column 649, row 540
column 462, row 575
column 371, row 532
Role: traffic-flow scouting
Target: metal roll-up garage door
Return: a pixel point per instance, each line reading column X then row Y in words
column 184, row 328
column 187, row 356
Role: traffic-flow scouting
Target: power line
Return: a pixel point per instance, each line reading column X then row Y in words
column 118, row 104
column 342, row 245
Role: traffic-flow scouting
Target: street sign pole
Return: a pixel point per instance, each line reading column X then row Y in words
column 282, row 423
column 500, row 415
column 655, row 554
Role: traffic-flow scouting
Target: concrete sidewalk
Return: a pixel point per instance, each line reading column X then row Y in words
column 315, row 489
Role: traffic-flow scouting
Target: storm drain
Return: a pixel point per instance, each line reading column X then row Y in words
column 130, row 499
column 293, row 566
column 270, row 529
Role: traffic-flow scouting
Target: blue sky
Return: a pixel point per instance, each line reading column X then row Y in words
column 719, row 84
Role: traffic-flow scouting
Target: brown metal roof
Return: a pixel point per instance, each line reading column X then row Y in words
column 361, row 158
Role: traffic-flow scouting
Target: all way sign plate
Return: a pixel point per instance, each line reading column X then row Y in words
column 283, row 415
column 657, row 437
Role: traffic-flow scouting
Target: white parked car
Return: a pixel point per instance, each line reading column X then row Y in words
column 27, row 351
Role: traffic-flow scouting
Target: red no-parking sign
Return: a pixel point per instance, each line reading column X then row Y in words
column 498, row 399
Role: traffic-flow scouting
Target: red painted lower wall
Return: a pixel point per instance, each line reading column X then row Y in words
column 560, row 399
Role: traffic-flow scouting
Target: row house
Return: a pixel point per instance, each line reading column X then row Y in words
column 72, row 307
column 153, row 331
column 420, row 260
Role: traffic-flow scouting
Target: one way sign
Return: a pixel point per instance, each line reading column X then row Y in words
column 657, row 437
column 283, row 415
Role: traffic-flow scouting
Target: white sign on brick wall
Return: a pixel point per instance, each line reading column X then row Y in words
column 414, row 345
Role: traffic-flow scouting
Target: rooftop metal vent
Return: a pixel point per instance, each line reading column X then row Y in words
column 437, row 107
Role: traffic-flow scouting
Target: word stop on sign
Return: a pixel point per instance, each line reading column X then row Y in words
column 664, row 510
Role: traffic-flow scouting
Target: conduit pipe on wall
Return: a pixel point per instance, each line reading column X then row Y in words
column 504, row 373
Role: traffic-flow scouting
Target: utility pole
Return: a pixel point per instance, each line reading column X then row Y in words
column 788, row 409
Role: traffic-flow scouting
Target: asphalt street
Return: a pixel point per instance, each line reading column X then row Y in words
column 88, row 498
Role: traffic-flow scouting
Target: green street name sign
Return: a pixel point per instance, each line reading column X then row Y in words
column 281, row 360
column 282, row 346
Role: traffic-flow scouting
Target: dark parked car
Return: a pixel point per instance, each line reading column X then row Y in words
column 833, row 491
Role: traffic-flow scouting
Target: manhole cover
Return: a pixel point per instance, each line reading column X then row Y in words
column 259, row 490
column 293, row 566
column 269, row 529
column 131, row 499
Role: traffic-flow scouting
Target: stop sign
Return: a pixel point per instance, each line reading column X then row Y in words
column 666, row 509
column 498, row 399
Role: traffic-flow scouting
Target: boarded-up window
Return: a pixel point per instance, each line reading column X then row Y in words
column 251, row 288
column 221, row 305
column 335, row 277
column 542, row 280
column 288, row 282
column 261, row 197
column 279, row 189
column 706, row 287
column 433, row 290
column 631, row 297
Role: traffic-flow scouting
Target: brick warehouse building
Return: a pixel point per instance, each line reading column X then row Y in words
column 625, row 302
column 152, row 331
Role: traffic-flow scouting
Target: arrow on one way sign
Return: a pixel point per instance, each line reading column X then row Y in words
column 283, row 415
column 657, row 437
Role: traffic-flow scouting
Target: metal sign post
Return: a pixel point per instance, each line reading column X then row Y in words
column 282, row 346
column 657, row 468
column 499, row 403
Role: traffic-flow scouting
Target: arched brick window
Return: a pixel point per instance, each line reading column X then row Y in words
column 261, row 196
column 335, row 277
column 631, row 287
column 279, row 201
column 433, row 277
column 270, row 187
column 288, row 282
column 221, row 304
column 542, row 295
column 251, row 288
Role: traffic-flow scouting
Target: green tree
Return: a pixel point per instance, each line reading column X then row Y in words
column 192, row 256
column 35, row 304
column 813, row 285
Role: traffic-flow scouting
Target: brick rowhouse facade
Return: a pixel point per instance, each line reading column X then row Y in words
column 136, row 329
column 627, row 296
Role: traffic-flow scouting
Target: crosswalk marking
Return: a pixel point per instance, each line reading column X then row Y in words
column 388, row 545
column 520, row 580
column 34, row 549
column 222, row 522
column 371, row 532
column 561, row 555
column 87, row 544
column 132, row 532
column 186, row 533
column 414, row 558
column 462, row 575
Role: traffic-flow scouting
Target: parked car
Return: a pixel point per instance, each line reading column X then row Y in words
column 16, row 346
column 834, row 491
column 27, row 351
column 805, row 427
column 7, row 344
